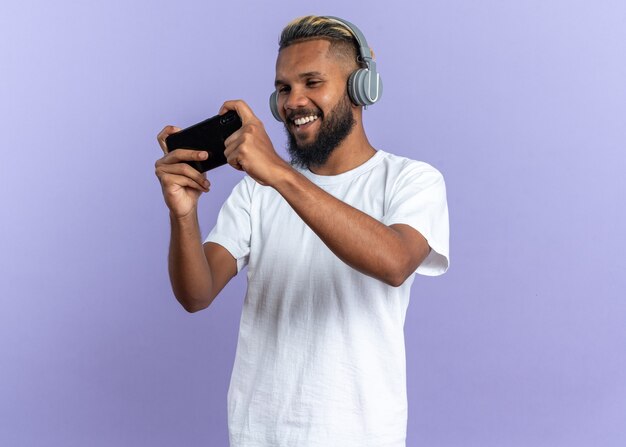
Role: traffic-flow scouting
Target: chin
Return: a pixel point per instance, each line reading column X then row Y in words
column 316, row 147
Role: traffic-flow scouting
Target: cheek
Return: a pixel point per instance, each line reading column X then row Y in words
column 328, row 99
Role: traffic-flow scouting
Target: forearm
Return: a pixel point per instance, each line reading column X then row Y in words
column 356, row 238
column 189, row 270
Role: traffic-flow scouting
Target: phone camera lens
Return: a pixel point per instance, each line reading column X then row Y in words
column 227, row 118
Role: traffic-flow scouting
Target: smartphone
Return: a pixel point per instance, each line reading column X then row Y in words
column 208, row 135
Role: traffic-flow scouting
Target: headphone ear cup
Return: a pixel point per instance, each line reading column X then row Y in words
column 352, row 89
column 274, row 106
column 364, row 87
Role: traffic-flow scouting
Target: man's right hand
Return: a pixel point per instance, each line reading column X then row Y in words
column 181, row 184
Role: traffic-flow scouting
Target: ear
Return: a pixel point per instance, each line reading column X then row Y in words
column 372, row 54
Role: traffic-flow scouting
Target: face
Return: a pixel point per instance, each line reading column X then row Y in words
column 313, row 102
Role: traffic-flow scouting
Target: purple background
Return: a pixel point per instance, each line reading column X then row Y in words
column 522, row 106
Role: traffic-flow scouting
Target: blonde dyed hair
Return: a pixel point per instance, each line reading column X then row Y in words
column 342, row 41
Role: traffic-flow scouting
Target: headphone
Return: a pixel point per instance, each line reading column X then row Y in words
column 364, row 85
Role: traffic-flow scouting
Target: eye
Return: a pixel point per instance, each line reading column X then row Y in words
column 313, row 82
column 283, row 89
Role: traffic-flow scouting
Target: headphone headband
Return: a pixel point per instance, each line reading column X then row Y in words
column 365, row 52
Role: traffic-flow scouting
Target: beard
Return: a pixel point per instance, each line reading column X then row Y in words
column 333, row 130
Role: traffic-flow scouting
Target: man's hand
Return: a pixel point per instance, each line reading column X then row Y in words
column 250, row 149
column 181, row 184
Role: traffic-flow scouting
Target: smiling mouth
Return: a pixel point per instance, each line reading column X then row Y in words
column 304, row 120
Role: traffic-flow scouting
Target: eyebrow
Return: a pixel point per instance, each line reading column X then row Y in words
column 308, row 74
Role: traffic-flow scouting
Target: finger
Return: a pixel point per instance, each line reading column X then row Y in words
column 183, row 169
column 235, row 164
column 233, row 159
column 182, row 181
column 180, row 155
column 243, row 110
column 233, row 140
column 168, row 173
column 166, row 132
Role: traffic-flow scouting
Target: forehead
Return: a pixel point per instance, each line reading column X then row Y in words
column 304, row 57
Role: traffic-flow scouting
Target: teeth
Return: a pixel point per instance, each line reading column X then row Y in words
column 304, row 120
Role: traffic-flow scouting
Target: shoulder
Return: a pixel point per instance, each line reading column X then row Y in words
column 405, row 169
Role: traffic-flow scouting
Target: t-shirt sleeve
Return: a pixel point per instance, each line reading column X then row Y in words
column 419, row 200
column 233, row 228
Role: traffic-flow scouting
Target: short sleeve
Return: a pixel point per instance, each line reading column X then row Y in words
column 418, row 199
column 233, row 228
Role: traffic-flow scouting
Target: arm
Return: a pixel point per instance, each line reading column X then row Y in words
column 197, row 273
column 389, row 253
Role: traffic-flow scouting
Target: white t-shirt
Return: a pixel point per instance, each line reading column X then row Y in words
column 320, row 358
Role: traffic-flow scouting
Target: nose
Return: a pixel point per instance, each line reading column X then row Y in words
column 295, row 99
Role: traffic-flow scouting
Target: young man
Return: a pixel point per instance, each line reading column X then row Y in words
column 331, row 242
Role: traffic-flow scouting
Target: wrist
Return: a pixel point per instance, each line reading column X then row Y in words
column 186, row 219
column 286, row 177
